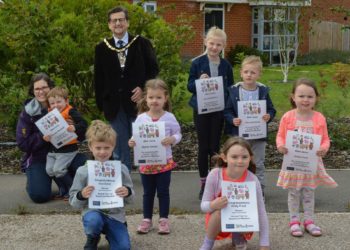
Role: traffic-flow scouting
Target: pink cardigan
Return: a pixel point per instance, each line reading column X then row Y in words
column 288, row 122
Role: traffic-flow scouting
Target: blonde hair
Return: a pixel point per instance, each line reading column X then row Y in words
column 230, row 142
column 255, row 60
column 58, row 92
column 154, row 84
column 99, row 131
column 216, row 32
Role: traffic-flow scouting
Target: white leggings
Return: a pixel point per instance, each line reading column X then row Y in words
column 307, row 196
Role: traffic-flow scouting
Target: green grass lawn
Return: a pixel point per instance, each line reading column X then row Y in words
column 331, row 103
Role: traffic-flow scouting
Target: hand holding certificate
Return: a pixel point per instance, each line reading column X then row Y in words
column 210, row 95
column 252, row 124
column 241, row 212
column 148, row 148
column 301, row 156
column 54, row 125
column 106, row 178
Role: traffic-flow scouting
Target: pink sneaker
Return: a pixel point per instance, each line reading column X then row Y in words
column 163, row 226
column 145, row 226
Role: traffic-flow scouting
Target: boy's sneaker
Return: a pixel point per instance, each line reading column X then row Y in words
column 145, row 226
column 91, row 242
column 163, row 226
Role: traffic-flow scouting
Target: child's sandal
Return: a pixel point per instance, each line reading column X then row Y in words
column 312, row 229
column 295, row 229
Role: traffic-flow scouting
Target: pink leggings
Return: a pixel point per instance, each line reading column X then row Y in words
column 307, row 196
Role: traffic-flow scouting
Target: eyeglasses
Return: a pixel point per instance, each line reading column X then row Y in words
column 37, row 90
column 116, row 20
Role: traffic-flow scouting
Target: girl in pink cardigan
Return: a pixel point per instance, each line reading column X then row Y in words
column 235, row 164
column 301, row 187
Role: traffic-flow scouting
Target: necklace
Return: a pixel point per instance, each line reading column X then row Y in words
column 121, row 50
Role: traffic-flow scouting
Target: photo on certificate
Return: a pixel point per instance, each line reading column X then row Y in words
column 252, row 125
column 301, row 156
column 106, row 177
column 210, row 95
column 54, row 125
column 241, row 212
column 148, row 137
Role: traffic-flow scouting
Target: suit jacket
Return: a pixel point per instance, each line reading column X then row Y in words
column 113, row 85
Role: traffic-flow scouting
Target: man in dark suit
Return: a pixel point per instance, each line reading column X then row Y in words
column 123, row 64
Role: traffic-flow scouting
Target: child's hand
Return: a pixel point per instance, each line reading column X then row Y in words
column 266, row 117
column 47, row 138
column 86, row 192
column 321, row 152
column 70, row 121
column 122, row 191
column 131, row 143
column 71, row 128
column 237, row 121
column 219, row 203
column 203, row 76
column 168, row 140
column 282, row 150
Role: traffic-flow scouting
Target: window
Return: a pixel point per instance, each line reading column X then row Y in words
column 275, row 28
column 147, row 6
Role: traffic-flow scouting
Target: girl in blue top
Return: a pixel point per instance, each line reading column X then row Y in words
column 209, row 126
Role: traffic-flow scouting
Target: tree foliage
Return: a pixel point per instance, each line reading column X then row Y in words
column 59, row 37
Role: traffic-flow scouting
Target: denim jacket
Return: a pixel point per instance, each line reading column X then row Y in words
column 200, row 66
column 231, row 107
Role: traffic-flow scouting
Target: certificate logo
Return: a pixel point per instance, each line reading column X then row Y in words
column 237, row 191
column 209, row 85
column 96, row 203
column 230, row 226
column 303, row 142
column 251, row 108
column 148, row 130
column 104, row 169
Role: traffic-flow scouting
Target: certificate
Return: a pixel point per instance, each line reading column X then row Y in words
column 54, row 125
column 210, row 95
column 106, row 177
column 149, row 149
column 252, row 125
column 301, row 156
column 241, row 212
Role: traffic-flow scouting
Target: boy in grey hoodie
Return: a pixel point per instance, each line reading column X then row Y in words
column 111, row 222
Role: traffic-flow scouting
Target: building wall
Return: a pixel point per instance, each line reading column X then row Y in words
column 320, row 11
column 237, row 22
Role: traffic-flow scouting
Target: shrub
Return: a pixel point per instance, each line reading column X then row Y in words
column 339, row 133
column 326, row 56
column 237, row 54
column 13, row 95
column 59, row 37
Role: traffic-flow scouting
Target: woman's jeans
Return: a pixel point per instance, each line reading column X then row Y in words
column 39, row 183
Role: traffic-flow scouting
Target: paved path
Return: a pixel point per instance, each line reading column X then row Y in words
column 45, row 229
column 184, row 193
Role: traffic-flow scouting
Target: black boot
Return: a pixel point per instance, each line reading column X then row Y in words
column 61, row 187
column 91, row 242
column 64, row 184
column 201, row 191
column 68, row 181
